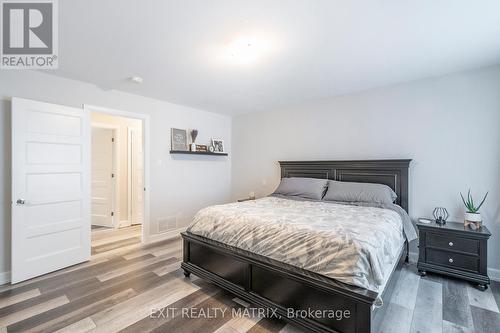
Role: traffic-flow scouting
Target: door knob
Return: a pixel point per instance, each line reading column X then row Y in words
column 20, row 202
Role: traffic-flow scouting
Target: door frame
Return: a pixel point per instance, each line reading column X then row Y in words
column 130, row 129
column 115, row 200
column 145, row 118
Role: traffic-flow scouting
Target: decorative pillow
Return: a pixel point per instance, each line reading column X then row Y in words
column 359, row 192
column 310, row 188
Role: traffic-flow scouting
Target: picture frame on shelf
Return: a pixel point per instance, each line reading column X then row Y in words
column 201, row 148
column 178, row 139
column 218, row 145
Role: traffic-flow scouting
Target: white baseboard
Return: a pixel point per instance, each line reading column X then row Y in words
column 4, row 278
column 413, row 257
column 494, row 274
column 164, row 235
column 124, row 223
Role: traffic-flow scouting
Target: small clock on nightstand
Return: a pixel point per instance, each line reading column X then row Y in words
column 455, row 250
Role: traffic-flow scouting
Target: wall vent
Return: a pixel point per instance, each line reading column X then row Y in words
column 167, row 224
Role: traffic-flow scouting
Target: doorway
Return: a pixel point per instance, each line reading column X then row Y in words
column 51, row 184
column 117, row 181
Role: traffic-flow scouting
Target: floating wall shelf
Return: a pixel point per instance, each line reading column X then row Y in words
column 188, row 152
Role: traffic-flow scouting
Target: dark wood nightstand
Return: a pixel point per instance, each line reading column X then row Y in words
column 454, row 250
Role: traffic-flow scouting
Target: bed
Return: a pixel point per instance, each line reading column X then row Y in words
column 299, row 292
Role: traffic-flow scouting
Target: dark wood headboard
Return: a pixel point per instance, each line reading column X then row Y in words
column 393, row 173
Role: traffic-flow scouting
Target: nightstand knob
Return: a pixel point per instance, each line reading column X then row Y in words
column 450, row 260
column 450, row 243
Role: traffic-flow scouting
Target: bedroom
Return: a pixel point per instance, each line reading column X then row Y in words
column 350, row 89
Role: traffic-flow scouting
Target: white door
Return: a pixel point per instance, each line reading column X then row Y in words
column 136, row 177
column 50, row 188
column 102, row 176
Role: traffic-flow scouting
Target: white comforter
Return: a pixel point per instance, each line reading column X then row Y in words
column 352, row 244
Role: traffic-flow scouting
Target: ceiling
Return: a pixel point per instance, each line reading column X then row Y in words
column 306, row 50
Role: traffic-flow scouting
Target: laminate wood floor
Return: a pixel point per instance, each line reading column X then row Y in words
column 126, row 286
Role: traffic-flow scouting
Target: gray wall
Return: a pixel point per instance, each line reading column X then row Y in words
column 180, row 186
column 449, row 126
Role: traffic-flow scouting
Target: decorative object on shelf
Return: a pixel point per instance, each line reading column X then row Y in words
column 201, row 148
column 472, row 218
column 440, row 215
column 218, row 145
column 194, row 134
column 424, row 220
column 211, row 149
column 178, row 139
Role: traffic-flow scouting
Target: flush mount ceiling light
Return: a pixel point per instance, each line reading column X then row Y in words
column 247, row 49
column 136, row 79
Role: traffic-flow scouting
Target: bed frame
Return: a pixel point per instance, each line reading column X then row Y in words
column 282, row 288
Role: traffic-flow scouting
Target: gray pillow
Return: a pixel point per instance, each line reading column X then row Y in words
column 359, row 192
column 310, row 188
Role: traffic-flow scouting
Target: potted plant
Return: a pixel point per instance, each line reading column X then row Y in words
column 472, row 214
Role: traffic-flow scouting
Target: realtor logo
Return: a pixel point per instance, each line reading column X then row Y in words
column 29, row 34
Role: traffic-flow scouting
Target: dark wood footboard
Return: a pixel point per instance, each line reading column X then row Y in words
column 310, row 300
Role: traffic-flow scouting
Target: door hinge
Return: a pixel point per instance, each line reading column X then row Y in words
column 112, row 214
column 112, row 139
column 112, row 175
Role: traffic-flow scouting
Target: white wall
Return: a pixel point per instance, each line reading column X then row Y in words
column 449, row 126
column 179, row 185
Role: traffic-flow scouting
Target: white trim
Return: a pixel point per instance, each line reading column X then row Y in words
column 4, row 277
column 494, row 274
column 124, row 223
column 146, row 121
column 164, row 235
column 130, row 158
column 116, row 170
column 129, row 174
column 413, row 257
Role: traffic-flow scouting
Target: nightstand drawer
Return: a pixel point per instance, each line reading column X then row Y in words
column 453, row 260
column 453, row 243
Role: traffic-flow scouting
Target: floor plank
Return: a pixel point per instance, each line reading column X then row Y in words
column 115, row 245
column 449, row 327
column 495, row 289
column 158, row 318
column 427, row 316
column 405, row 292
column 150, row 262
column 68, row 318
column 81, row 326
column 397, row 319
column 131, row 311
column 222, row 301
column 7, row 301
column 291, row 329
column 456, row 308
column 485, row 321
column 32, row 312
column 482, row 299
column 267, row 325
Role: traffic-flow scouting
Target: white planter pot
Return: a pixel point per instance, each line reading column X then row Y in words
column 473, row 217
